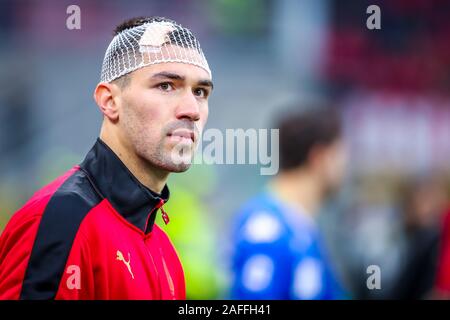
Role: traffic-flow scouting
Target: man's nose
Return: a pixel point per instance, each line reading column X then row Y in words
column 188, row 108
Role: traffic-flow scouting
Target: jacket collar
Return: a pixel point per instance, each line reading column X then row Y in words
column 113, row 181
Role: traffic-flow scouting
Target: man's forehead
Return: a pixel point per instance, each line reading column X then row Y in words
column 172, row 53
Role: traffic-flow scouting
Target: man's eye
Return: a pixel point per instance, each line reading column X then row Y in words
column 166, row 86
column 200, row 92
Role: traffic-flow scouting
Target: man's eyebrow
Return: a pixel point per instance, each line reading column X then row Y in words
column 168, row 75
column 174, row 76
column 206, row 83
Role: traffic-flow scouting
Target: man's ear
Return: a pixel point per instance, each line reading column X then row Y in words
column 105, row 97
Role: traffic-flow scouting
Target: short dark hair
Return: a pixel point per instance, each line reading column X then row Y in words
column 300, row 132
column 179, row 35
column 137, row 21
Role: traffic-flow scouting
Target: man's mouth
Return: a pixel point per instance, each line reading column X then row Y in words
column 183, row 134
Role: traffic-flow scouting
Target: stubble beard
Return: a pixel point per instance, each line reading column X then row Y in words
column 176, row 158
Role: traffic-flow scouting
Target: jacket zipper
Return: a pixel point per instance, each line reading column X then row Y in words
column 164, row 214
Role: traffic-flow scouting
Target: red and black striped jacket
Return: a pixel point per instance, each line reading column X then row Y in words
column 90, row 234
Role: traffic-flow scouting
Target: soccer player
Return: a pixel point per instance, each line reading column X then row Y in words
column 278, row 250
column 90, row 234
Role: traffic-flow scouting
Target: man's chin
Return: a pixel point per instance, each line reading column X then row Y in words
column 177, row 164
column 179, row 167
column 179, row 158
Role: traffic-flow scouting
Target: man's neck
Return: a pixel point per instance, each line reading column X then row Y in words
column 151, row 177
column 299, row 189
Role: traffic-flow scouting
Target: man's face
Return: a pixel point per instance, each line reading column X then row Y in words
column 162, row 112
column 334, row 165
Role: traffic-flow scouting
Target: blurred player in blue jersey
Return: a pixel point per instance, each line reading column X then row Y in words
column 278, row 249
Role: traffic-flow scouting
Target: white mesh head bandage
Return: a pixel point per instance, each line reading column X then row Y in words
column 158, row 41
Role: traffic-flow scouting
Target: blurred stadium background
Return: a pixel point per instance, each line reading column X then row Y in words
column 391, row 86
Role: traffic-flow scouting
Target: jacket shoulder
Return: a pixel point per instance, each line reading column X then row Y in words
column 56, row 234
column 34, row 208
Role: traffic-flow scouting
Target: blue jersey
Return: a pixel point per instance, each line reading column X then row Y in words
column 278, row 254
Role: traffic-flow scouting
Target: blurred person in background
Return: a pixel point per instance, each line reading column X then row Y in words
column 278, row 251
column 423, row 202
column 90, row 234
